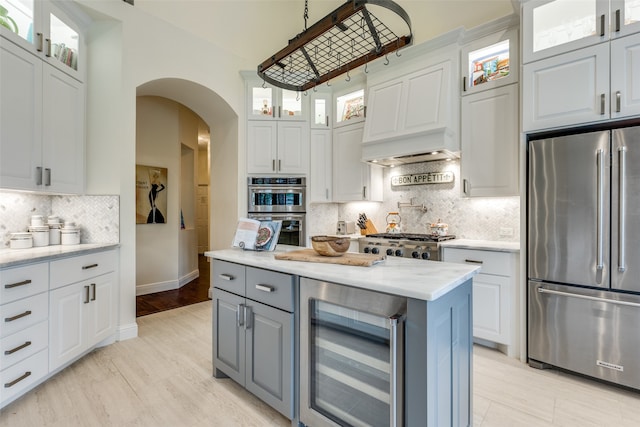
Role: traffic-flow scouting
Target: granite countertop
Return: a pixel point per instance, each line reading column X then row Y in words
column 17, row 257
column 426, row 280
column 487, row 245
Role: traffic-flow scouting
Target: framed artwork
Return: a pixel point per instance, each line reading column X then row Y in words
column 151, row 195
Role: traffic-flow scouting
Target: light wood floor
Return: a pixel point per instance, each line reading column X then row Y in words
column 163, row 378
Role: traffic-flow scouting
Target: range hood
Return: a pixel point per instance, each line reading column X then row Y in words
column 438, row 144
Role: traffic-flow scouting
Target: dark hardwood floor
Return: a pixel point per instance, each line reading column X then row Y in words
column 191, row 293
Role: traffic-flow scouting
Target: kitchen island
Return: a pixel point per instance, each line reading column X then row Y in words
column 436, row 337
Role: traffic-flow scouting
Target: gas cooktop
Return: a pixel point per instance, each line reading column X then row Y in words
column 412, row 236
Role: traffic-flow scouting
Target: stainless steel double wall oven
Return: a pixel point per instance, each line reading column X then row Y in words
column 280, row 198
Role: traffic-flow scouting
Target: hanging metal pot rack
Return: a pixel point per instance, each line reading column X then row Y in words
column 345, row 39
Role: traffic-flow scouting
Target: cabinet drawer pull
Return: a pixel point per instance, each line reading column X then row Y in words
column 86, row 295
column 618, row 101
column 93, row 292
column 464, row 83
column 15, row 285
column 473, row 261
column 226, row 277
column 47, row 177
column 618, row 21
column 18, row 348
column 48, row 52
column 602, row 25
column 602, row 103
column 38, row 175
column 86, row 267
column 248, row 312
column 240, row 315
column 265, row 288
column 17, row 380
column 273, row 165
column 17, row 316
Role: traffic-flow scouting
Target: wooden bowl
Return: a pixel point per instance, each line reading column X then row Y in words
column 330, row 246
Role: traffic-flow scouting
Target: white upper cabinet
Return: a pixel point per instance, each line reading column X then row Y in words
column 268, row 102
column 625, row 76
column 50, row 30
column 552, row 27
column 490, row 62
column 277, row 147
column 320, row 104
column 320, row 167
column 349, row 105
column 489, row 137
column 42, row 124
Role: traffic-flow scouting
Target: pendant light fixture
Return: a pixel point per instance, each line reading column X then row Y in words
column 342, row 41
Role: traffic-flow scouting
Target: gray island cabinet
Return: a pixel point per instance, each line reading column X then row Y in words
column 419, row 374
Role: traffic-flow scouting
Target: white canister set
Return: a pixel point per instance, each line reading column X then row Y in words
column 54, row 232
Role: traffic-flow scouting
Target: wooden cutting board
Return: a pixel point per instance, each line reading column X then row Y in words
column 349, row 258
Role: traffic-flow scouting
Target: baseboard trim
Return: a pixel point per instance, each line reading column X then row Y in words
column 127, row 332
column 189, row 277
column 169, row 285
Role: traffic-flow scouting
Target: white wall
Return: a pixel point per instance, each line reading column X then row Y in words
column 127, row 49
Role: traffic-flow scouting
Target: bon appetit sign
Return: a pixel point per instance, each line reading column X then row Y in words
column 422, row 178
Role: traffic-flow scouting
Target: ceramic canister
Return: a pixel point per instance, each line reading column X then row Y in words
column 54, row 233
column 70, row 236
column 21, row 241
column 40, row 235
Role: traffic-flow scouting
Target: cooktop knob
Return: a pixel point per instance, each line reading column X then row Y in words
column 426, row 255
column 375, row 251
column 389, row 252
column 398, row 252
column 415, row 254
column 366, row 250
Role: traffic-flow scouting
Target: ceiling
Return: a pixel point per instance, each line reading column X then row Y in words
column 255, row 29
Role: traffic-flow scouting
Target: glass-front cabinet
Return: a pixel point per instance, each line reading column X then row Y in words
column 552, row 27
column 490, row 62
column 47, row 30
column 320, row 110
column 349, row 106
column 268, row 102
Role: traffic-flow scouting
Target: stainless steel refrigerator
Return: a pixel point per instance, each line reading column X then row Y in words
column 584, row 253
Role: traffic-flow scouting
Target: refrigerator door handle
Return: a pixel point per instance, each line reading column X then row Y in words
column 600, row 213
column 622, row 151
column 580, row 296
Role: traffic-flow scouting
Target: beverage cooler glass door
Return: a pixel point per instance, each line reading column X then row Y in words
column 352, row 374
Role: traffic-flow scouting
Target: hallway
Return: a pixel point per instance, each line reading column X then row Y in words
column 193, row 292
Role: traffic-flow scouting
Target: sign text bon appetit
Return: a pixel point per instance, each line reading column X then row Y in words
column 422, row 178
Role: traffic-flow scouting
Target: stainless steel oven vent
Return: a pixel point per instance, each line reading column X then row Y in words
column 342, row 41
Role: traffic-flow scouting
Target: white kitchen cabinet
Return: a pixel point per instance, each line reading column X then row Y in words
column 83, row 305
column 42, row 121
column 267, row 102
column 321, row 108
column 625, row 76
column 414, row 103
column 568, row 89
column 320, row 167
column 495, row 295
column 277, row 147
column 349, row 105
column 82, row 315
column 53, row 31
column 489, row 62
column 24, row 339
column 353, row 179
column 489, row 140
column 552, row 27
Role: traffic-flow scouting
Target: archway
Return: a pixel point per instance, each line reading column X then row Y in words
column 223, row 154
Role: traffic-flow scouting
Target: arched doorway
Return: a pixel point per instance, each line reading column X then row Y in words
column 221, row 192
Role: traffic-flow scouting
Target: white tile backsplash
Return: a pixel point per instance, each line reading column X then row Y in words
column 468, row 218
column 97, row 216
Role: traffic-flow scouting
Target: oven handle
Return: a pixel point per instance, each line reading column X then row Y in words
column 396, row 344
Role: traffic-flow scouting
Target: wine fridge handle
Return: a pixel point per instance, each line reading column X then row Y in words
column 396, row 344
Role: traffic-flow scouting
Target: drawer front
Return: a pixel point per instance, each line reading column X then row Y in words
column 83, row 267
column 271, row 288
column 22, row 282
column 229, row 276
column 23, row 344
column 490, row 262
column 23, row 313
column 21, row 376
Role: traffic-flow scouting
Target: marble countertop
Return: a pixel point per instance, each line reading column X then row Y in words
column 426, row 280
column 488, row 245
column 17, row 257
